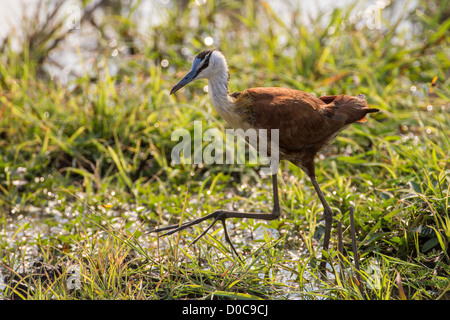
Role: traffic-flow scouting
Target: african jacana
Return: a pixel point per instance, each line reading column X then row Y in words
column 306, row 124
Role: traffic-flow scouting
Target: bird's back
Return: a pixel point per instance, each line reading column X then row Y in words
column 303, row 119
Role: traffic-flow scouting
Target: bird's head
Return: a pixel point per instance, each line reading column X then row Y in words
column 206, row 65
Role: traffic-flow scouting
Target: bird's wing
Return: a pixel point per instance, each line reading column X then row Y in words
column 299, row 116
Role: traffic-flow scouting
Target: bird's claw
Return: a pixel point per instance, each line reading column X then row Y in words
column 216, row 215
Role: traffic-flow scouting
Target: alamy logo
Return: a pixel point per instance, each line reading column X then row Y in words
column 231, row 150
column 374, row 275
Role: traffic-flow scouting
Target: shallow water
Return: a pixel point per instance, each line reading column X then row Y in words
column 21, row 231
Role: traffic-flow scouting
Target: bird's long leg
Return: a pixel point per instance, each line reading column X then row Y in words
column 222, row 215
column 328, row 214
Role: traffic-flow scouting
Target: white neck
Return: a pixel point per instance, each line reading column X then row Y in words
column 218, row 90
column 217, row 76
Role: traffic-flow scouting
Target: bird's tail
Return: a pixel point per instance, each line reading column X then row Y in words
column 347, row 108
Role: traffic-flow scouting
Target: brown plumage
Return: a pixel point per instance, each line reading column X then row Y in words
column 306, row 124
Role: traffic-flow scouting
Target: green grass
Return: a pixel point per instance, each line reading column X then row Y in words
column 85, row 169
